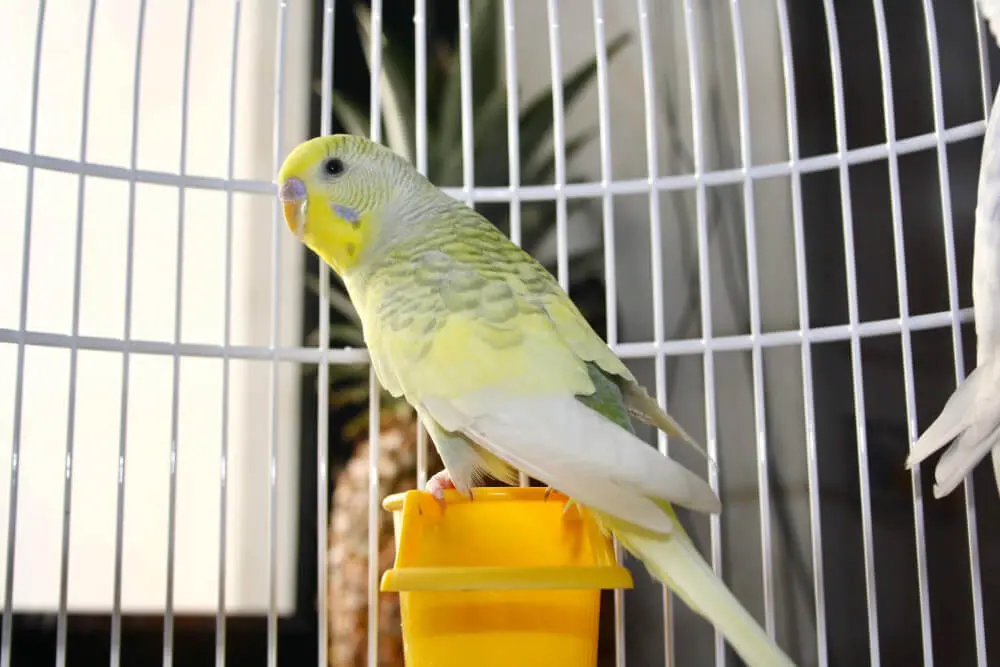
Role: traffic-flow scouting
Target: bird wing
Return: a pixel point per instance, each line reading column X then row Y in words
column 492, row 349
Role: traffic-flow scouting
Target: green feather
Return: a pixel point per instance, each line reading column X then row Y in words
column 607, row 398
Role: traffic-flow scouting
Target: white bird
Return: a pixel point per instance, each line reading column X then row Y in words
column 971, row 417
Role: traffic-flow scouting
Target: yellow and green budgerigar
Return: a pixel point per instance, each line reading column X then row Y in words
column 502, row 368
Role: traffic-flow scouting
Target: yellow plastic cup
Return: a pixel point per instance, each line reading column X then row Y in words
column 508, row 579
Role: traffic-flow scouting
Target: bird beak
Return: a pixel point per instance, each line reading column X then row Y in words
column 294, row 202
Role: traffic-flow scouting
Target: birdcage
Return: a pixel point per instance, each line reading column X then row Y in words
column 765, row 208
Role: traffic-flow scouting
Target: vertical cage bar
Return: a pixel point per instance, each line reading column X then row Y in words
column 558, row 144
column 513, row 117
column 652, row 173
column 323, row 368
column 705, row 292
column 610, row 278
column 465, row 74
column 168, row 615
column 852, row 309
column 513, row 138
column 15, row 451
column 276, row 223
column 420, row 112
column 374, row 425
column 802, row 295
column 607, row 201
column 62, row 615
column 220, row 614
column 116, row 605
column 983, row 37
column 753, row 291
column 374, row 396
column 953, row 306
column 902, row 291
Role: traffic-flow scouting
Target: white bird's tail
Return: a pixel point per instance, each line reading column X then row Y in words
column 674, row 560
column 971, row 418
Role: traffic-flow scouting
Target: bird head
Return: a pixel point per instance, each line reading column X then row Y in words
column 334, row 191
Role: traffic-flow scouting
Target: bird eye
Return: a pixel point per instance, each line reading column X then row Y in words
column 333, row 167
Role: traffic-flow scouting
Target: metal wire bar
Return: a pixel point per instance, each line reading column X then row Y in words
column 705, row 294
column 220, row 614
column 513, row 139
column 513, row 116
column 323, row 370
column 637, row 350
column 15, row 451
column 272, row 488
column 420, row 112
column 168, row 613
column 753, row 292
column 852, row 309
column 610, row 277
column 802, row 295
column 589, row 190
column 374, row 395
column 902, row 291
column 656, row 261
column 61, row 615
column 982, row 40
column 558, row 144
column 956, row 333
column 465, row 79
column 116, row 605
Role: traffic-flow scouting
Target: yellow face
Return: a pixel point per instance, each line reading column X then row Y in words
column 330, row 190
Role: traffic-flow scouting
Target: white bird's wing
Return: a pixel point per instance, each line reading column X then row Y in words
column 572, row 448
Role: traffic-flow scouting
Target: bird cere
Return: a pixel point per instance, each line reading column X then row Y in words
column 500, row 365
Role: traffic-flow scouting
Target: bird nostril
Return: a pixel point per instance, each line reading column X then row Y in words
column 292, row 189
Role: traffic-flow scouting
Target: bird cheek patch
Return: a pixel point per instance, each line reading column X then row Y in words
column 347, row 214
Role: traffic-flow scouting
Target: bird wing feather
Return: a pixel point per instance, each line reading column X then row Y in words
column 482, row 339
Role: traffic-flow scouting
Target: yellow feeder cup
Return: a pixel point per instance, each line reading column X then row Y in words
column 508, row 579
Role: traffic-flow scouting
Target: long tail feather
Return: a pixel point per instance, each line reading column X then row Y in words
column 674, row 560
column 970, row 418
column 955, row 417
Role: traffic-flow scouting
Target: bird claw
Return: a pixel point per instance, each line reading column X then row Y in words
column 569, row 501
column 437, row 484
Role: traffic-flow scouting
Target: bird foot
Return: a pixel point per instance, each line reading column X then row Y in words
column 437, row 484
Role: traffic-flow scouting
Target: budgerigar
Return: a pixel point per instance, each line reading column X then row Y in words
column 971, row 417
column 501, row 367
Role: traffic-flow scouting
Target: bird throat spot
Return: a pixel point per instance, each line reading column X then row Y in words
column 351, row 248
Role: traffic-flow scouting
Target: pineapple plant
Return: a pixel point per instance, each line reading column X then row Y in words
column 347, row 594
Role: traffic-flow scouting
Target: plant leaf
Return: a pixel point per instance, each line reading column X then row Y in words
column 482, row 30
column 350, row 396
column 397, row 101
column 338, row 299
column 487, row 54
column 536, row 117
column 347, row 333
column 491, row 138
column 354, row 120
column 543, row 171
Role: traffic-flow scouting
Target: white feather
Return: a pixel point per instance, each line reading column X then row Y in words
column 966, row 452
column 972, row 414
column 990, row 10
column 958, row 414
column 560, row 441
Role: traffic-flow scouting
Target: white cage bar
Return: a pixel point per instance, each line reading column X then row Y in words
column 603, row 187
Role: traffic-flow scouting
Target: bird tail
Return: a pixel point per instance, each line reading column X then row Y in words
column 673, row 559
column 971, row 418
